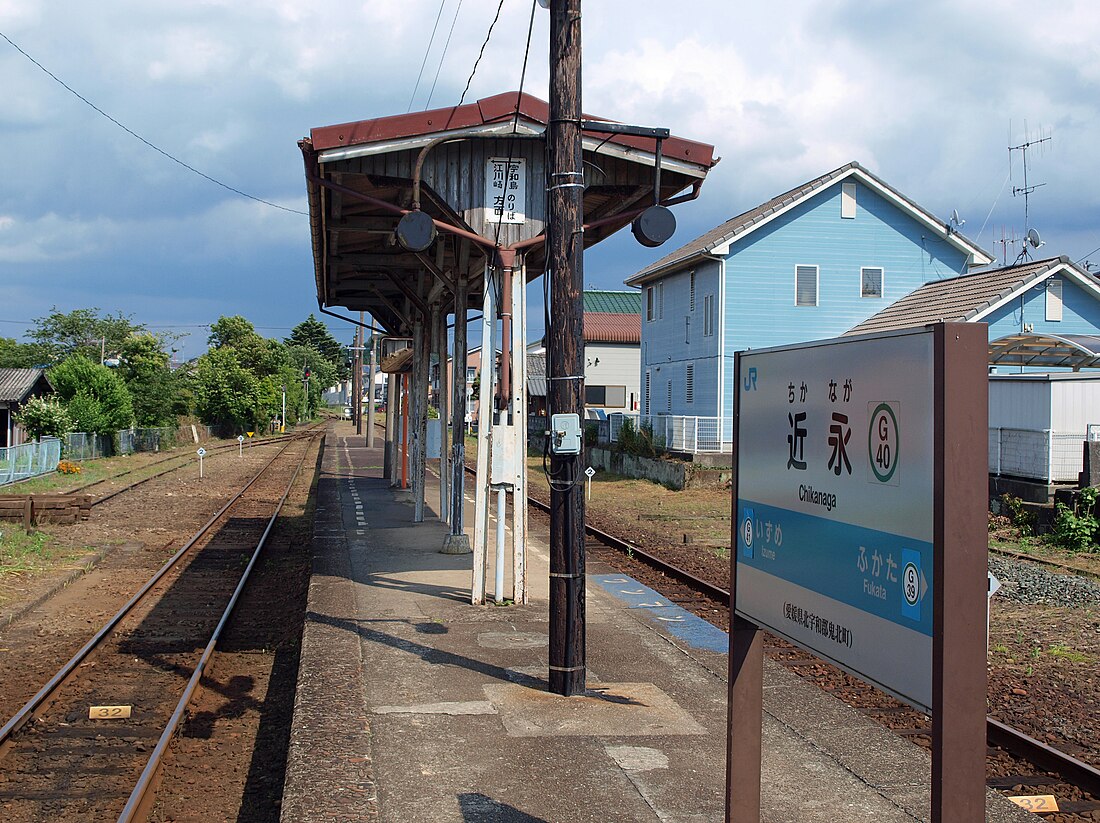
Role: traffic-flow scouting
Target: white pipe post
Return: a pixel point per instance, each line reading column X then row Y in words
column 444, row 416
column 519, row 423
column 502, row 513
column 484, row 427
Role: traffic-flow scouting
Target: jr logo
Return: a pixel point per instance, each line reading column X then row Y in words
column 750, row 379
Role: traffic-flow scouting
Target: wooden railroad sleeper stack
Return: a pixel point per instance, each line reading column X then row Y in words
column 34, row 509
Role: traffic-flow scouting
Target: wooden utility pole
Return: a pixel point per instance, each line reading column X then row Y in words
column 565, row 250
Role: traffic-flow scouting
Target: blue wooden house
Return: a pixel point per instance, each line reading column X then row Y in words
column 1037, row 311
column 808, row 264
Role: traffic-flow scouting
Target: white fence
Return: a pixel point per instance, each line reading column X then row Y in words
column 29, row 460
column 672, row 432
column 1046, row 455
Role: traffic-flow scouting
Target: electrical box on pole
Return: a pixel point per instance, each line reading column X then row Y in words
column 565, row 434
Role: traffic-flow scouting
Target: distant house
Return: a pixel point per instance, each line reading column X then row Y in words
column 17, row 386
column 1043, row 316
column 1040, row 298
column 612, row 337
column 807, row 264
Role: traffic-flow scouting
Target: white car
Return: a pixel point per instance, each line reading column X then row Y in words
column 347, row 412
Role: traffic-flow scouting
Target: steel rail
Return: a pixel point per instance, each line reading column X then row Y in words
column 143, row 795
column 1075, row 771
column 40, row 701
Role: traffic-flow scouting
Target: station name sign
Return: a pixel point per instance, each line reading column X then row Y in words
column 835, row 503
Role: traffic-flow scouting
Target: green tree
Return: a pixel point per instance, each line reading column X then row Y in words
column 312, row 332
column 43, row 417
column 143, row 366
column 94, row 396
column 16, row 355
column 255, row 353
column 226, row 393
column 322, row 374
column 83, row 332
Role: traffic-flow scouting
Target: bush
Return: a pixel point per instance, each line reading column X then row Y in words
column 43, row 417
column 638, row 442
column 1021, row 516
column 1075, row 529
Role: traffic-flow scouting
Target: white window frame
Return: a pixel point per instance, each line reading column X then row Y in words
column 848, row 201
column 1054, row 300
column 817, row 285
column 650, row 304
column 708, row 315
column 881, row 284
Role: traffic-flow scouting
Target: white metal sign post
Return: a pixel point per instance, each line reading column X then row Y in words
column 859, row 535
column 201, row 453
column 589, row 473
column 240, row 445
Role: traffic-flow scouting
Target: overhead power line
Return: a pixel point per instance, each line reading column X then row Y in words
column 442, row 56
column 481, row 53
column 427, row 51
column 137, row 136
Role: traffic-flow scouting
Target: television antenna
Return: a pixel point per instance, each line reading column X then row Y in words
column 1037, row 143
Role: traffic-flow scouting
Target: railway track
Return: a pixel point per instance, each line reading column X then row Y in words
column 179, row 460
column 1017, row 763
column 63, row 759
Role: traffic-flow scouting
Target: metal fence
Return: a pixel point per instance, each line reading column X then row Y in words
column 1036, row 454
column 29, row 460
column 693, row 435
column 81, row 446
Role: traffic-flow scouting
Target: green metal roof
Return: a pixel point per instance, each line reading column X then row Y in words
column 613, row 302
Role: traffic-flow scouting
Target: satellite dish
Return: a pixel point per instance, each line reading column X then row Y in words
column 1034, row 239
column 958, row 221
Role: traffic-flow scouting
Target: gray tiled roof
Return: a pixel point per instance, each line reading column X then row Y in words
column 957, row 298
column 743, row 222
column 16, row 384
column 536, row 375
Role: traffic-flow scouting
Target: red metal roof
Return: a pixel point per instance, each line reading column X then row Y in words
column 496, row 109
column 602, row 327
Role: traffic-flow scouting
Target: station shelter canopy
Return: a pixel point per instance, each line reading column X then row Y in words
column 361, row 178
column 1073, row 351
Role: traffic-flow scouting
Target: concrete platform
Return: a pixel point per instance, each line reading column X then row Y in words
column 413, row 705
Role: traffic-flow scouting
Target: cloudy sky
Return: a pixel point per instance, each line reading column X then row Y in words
column 927, row 95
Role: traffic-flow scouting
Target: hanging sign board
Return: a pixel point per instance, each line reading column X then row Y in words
column 506, row 190
column 835, row 504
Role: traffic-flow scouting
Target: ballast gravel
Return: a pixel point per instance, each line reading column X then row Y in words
column 1023, row 582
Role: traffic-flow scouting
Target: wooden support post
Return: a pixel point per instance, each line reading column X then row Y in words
column 959, row 576
column 419, row 422
column 28, row 514
column 457, row 542
column 373, row 348
column 565, row 255
column 440, row 329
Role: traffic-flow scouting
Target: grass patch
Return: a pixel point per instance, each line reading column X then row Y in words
column 22, row 553
column 1068, row 653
